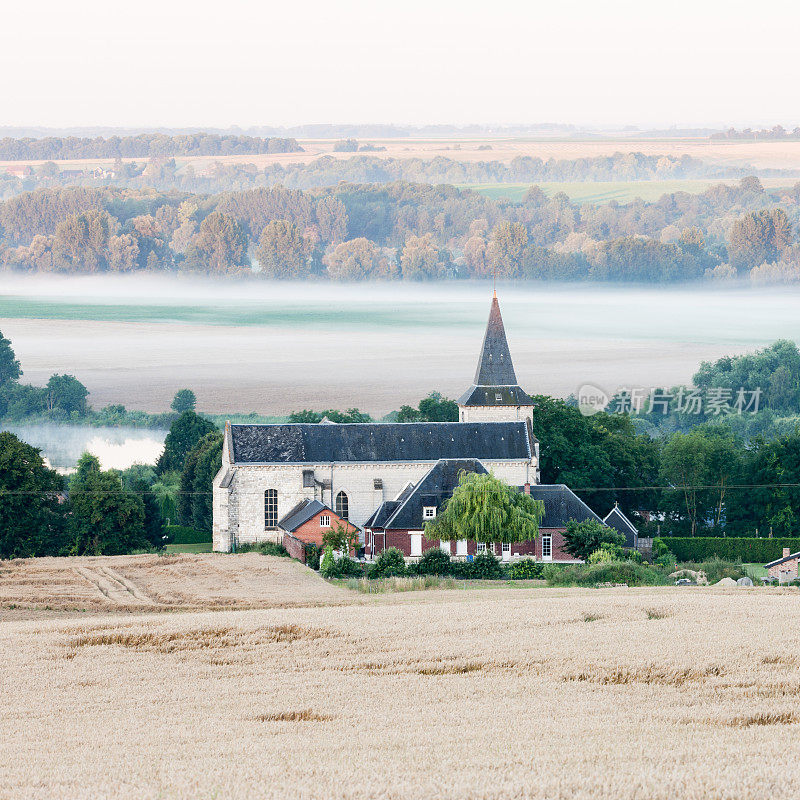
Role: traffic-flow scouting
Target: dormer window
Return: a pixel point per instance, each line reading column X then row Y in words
column 429, row 512
column 498, row 397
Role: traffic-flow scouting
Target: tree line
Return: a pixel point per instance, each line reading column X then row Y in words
column 143, row 145
column 403, row 230
column 162, row 172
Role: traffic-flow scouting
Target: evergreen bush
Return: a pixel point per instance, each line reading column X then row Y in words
column 433, row 562
column 388, row 564
column 524, row 569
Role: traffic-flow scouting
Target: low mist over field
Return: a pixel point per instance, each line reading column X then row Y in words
column 277, row 347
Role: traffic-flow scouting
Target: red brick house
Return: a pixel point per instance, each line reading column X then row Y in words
column 785, row 567
column 306, row 524
column 19, row 170
column 401, row 522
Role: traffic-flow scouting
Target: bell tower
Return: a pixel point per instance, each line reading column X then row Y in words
column 495, row 395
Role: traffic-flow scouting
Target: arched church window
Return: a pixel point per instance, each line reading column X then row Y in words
column 271, row 508
column 342, row 505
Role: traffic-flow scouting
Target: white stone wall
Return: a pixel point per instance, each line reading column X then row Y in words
column 239, row 510
column 495, row 413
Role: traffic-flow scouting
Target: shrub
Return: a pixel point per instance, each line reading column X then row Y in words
column 614, row 572
column 716, row 569
column 729, row 548
column 606, row 554
column 345, row 567
column 666, row 561
column 183, row 534
column 328, row 562
column 551, row 573
column 581, row 539
column 265, row 548
column 525, row 569
column 635, row 556
column 388, row 564
column 486, row 567
column 312, row 554
column 433, row 562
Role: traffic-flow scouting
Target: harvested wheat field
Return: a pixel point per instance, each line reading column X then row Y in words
column 30, row 587
column 488, row 693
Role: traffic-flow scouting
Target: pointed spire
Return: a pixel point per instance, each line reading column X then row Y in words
column 495, row 367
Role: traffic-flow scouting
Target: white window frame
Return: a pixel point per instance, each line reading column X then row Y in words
column 429, row 512
column 461, row 547
column 273, row 509
column 480, row 548
column 549, row 555
column 325, row 520
column 444, row 546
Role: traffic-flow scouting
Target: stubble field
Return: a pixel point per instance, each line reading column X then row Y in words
column 492, row 693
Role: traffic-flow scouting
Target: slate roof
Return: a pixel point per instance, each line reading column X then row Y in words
column 495, row 373
column 432, row 490
column 777, row 561
column 619, row 522
column 488, row 396
column 495, row 367
column 302, row 513
column 306, row 443
column 561, row 505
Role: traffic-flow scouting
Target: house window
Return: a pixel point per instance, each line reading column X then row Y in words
column 445, row 547
column 416, row 544
column 308, row 478
column 481, row 547
column 547, row 548
column 325, row 521
column 498, row 397
column 271, row 508
column 342, row 505
column 461, row 547
column 429, row 512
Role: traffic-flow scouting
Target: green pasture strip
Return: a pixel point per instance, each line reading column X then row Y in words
column 202, row 547
column 16, row 307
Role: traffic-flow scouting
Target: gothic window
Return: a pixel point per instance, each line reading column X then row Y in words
column 271, row 508
column 342, row 505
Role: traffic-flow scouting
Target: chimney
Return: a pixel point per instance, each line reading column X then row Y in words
column 786, row 552
column 527, row 487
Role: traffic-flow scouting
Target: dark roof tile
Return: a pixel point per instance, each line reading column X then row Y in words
column 379, row 442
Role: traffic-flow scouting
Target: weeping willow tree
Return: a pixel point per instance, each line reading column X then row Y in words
column 484, row 509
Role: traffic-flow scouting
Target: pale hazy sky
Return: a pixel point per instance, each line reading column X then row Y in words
column 180, row 63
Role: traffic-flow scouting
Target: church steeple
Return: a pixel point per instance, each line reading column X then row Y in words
column 495, row 367
column 495, row 393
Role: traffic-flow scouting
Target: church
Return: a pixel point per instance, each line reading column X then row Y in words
column 385, row 478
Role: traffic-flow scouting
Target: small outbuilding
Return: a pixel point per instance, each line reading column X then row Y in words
column 306, row 524
column 617, row 520
column 784, row 569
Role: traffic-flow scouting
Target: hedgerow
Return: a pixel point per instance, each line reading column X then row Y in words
column 733, row 548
